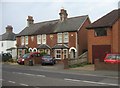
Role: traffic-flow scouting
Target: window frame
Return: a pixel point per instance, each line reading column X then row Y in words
column 26, row 40
column 56, row 53
column 59, row 37
column 39, row 39
column 22, row 40
column 98, row 32
column 44, row 39
column 2, row 45
column 66, row 37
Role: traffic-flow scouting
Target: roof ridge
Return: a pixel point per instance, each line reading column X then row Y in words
column 59, row 19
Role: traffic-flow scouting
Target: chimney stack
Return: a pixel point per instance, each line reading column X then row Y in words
column 9, row 29
column 63, row 14
column 30, row 20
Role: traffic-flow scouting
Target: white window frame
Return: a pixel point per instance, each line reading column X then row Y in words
column 32, row 38
column 2, row 45
column 26, row 40
column 57, row 54
column 59, row 38
column 66, row 53
column 44, row 39
column 39, row 39
column 66, row 37
column 22, row 40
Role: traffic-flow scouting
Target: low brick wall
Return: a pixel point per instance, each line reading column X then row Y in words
column 73, row 61
column 36, row 60
column 106, row 66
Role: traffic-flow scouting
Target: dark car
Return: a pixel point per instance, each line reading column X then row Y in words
column 112, row 58
column 27, row 56
column 47, row 59
column 6, row 57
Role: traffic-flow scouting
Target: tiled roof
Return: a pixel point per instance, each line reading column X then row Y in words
column 106, row 21
column 22, row 47
column 57, row 46
column 54, row 26
column 8, row 36
column 43, row 46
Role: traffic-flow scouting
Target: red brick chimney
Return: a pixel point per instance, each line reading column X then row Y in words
column 63, row 14
column 9, row 29
column 30, row 20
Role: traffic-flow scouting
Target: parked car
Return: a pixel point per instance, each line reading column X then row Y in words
column 6, row 57
column 112, row 58
column 47, row 59
column 27, row 56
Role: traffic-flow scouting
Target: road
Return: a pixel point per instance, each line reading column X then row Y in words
column 25, row 76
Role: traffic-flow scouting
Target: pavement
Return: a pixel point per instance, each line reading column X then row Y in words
column 59, row 67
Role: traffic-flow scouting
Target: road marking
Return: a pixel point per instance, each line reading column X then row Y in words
column 11, row 81
column 91, row 82
column 101, row 76
column 29, row 74
column 23, row 84
column 71, row 79
column 41, row 75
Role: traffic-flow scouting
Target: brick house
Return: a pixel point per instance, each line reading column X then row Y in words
column 62, row 38
column 104, row 36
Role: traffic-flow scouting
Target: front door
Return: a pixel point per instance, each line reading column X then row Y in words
column 72, row 53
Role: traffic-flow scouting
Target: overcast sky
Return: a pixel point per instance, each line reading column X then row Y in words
column 13, row 12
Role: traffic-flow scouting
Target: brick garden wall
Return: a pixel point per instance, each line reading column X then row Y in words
column 106, row 66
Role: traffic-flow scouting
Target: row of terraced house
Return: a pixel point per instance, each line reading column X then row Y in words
column 70, row 37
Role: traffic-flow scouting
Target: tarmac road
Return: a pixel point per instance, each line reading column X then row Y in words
column 15, row 75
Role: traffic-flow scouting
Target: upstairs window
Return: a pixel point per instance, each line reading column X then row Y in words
column 2, row 44
column 44, row 39
column 59, row 37
column 26, row 40
column 38, row 39
column 100, row 32
column 22, row 40
column 65, row 37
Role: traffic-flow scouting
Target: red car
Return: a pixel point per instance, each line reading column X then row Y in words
column 27, row 56
column 112, row 58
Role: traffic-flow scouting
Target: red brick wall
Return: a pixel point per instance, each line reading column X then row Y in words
column 32, row 44
column 112, row 39
column 119, row 36
column 18, row 39
column 51, row 39
column 83, row 38
column 72, row 39
column 116, row 38
column 92, row 40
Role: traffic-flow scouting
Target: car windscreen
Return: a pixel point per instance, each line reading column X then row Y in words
column 113, row 57
column 26, row 56
column 47, row 57
column 118, row 57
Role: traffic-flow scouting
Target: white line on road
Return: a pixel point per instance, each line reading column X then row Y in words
column 23, row 84
column 11, row 81
column 41, row 75
column 72, row 79
column 91, row 82
column 29, row 74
